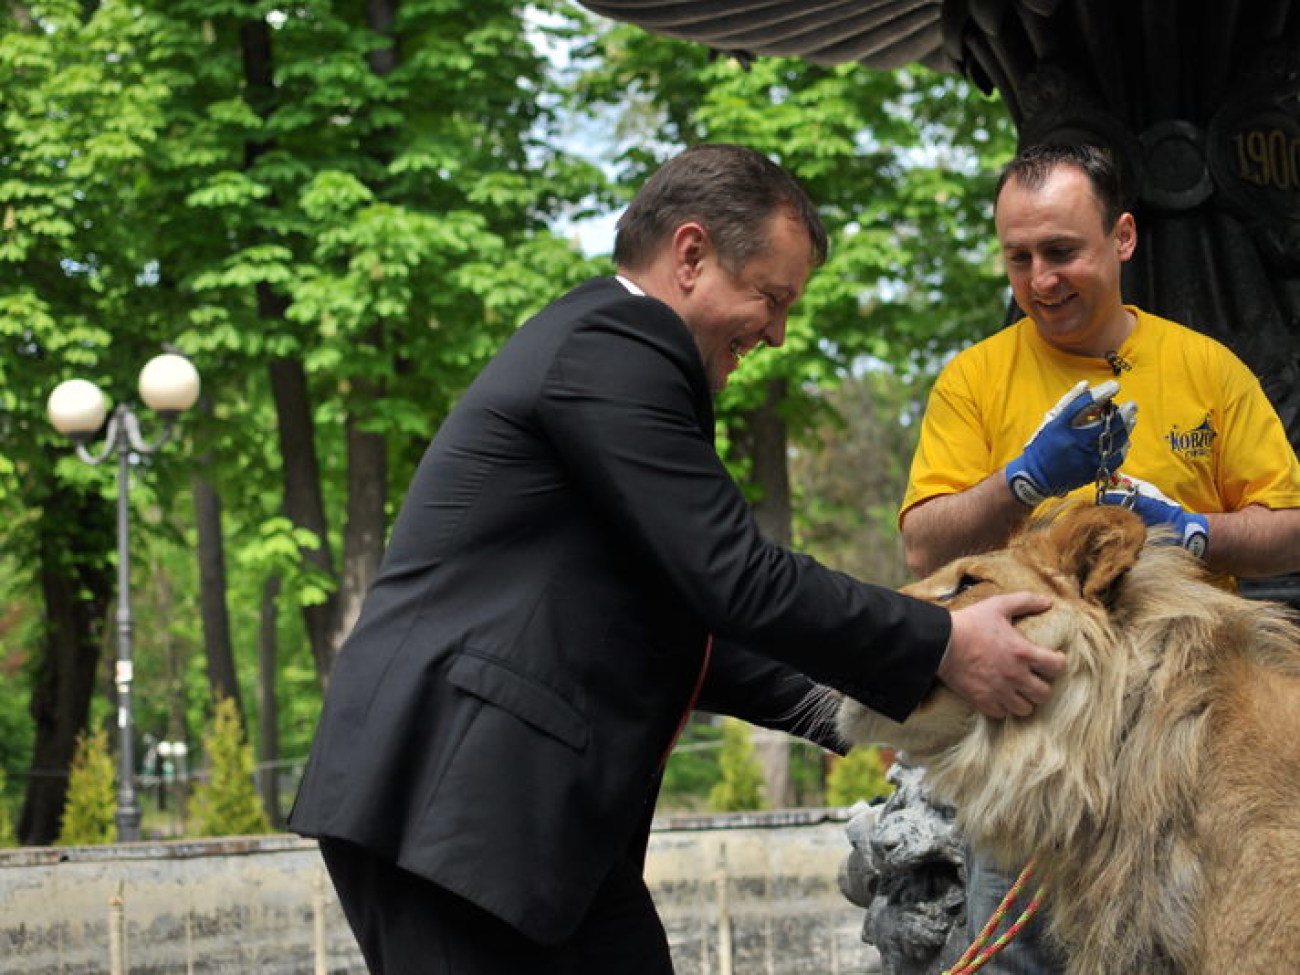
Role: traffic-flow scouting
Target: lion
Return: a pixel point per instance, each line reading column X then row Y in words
column 1158, row 791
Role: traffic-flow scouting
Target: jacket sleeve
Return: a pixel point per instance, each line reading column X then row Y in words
column 623, row 404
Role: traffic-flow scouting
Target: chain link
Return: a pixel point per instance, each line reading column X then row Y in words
column 1106, row 450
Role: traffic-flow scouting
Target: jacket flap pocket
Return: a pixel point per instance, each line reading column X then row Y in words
column 522, row 696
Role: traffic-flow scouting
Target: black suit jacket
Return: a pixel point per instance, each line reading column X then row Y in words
column 498, row 718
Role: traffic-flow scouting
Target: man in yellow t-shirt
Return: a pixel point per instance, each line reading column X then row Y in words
column 1205, row 435
column 1018, row 418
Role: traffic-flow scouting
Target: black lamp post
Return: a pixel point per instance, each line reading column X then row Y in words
column 169, row 385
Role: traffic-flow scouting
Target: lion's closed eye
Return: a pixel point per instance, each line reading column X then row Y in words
column 967, row 581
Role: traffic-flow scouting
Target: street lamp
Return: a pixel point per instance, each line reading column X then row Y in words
column 169, row 384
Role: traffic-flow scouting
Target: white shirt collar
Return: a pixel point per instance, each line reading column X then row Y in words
column 631, row 286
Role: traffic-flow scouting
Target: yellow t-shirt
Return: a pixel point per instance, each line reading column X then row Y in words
column 1206, row 434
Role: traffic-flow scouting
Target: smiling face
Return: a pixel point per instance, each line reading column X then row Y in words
column 731, row 311
column 1064, row 263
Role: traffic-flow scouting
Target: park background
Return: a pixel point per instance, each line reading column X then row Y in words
column 338, row 212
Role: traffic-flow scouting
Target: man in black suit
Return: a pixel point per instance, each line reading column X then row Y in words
column 572, row 572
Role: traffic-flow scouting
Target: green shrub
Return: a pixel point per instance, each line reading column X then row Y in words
column 227, row 804
column 8, row 835
column 91, row 801
column 692, row 769
column 741, row 788
column 858, row 775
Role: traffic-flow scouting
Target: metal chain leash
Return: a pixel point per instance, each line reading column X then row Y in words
column 1106, row 450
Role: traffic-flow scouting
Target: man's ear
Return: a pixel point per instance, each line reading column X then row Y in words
column 690, row 244
column 1125, row 236
column 1097, row 544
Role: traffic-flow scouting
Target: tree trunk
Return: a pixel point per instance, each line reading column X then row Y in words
column 77, row 592
column 175, row 784
column 762, row 437
column 220, row 656
column 381, row 17
column 268, row 646
column 303, row 503
column 367, row 477
column 363, row 538
column 764, row 440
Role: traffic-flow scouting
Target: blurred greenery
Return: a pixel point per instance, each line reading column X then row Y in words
column 858, row 775
column 88, row 816
column 740, row 785
column 226, row 803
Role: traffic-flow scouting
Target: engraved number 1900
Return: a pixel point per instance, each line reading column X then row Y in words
column 1269, row 158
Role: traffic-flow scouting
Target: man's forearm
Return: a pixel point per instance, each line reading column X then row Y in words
column 978, row 519
column 1255, row 541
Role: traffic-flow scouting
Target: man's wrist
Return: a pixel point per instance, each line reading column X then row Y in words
column 1023, row 487
column 1196, row 534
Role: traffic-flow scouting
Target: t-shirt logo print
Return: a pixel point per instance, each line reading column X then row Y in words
column 1193, row 443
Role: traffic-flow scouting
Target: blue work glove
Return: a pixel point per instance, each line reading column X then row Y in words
column 1066, row 450
column 1191, row 531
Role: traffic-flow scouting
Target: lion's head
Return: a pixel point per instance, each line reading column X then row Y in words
column 1078, row 557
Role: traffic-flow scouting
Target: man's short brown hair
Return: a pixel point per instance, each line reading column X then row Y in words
column 731, row 191
column 1033, row 165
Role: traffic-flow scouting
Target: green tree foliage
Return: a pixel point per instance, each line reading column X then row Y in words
column 741, row 787
column 74, row 108
column 19, row 635
column 858, row 775
column 339, row 212
column 692, row 769
column 227, row 803
column 850, row 471
column 8, row 834
column 808, row 764
column 88, row 815
column 901, row 164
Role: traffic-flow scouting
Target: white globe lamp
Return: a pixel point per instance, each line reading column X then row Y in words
column 77, row 409
column 169, row 383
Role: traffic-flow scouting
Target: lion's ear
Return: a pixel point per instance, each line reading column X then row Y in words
column 1097, row 544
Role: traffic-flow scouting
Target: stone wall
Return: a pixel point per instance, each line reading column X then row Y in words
column 757, row 895
column 740, row 895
